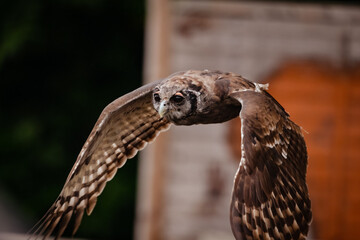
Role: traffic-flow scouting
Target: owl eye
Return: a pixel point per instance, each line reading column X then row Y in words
column 157, row 97
column 177, row 98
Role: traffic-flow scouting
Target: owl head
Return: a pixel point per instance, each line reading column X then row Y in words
column 176, row 101
column 185, row 100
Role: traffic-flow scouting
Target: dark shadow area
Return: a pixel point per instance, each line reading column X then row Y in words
column 61, row 63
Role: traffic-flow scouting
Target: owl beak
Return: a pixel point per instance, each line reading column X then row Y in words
column 163, row 109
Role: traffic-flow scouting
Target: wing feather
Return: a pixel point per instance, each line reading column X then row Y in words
column 124, row 127
column 270, row 197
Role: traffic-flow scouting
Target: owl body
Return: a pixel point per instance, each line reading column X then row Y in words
column 270, row 198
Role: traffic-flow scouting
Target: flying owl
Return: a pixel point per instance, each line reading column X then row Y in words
column 270, row 198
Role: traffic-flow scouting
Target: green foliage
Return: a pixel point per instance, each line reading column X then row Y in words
column 61, row 63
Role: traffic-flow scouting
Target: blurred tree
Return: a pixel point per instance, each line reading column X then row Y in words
column 61, row 63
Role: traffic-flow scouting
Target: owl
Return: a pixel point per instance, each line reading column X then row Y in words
column 270, row 199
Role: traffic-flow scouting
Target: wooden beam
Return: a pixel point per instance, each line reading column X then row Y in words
column 152, row 160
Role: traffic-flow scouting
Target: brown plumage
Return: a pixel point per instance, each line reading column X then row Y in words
column 270, row 198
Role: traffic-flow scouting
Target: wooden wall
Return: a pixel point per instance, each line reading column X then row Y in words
column 186, row 178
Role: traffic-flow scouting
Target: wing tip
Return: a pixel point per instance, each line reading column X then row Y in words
column 91, row 204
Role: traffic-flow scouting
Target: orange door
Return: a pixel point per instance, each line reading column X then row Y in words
column 325, row 101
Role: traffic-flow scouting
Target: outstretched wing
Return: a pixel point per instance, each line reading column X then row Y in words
column 124, row 127
column 270, row 197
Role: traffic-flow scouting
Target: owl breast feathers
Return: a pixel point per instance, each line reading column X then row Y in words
column 270, row 198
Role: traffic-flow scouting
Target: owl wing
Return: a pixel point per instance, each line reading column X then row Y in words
column 270, row 198
column 124, row 127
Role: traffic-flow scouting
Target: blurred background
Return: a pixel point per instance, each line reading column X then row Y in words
column 62, row 62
